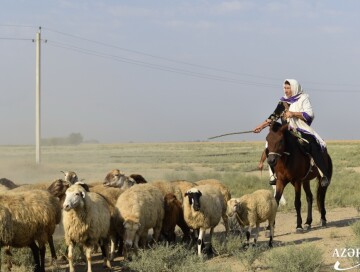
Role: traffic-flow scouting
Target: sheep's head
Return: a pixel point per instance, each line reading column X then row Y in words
column 232, row 206
column 117, row 179
column 58, row 188
column 131, row 227
column 74, row 197
column 194, row 198
column 70, row 176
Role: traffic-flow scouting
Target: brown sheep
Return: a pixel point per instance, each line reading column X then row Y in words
column 173, row 216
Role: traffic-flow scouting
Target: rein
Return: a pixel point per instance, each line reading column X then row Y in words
column 278, row 154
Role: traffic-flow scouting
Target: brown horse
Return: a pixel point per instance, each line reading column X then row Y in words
column 292, row 164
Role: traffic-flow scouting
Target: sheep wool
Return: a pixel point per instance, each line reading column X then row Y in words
column 226, row 197
column 141, row 208
column 253, row 209
column 37, row 212
column 203, row 206
column 86, row 220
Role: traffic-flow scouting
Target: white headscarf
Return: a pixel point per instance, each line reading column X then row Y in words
column 296, row 91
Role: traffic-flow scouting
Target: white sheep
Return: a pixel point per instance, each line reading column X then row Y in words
column 34, row 216
column 252, row 209
column 86, row 220
column 140, row 208
column 203, row 206
column 226, row 196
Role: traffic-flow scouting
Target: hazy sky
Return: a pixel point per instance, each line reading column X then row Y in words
column 149, row 71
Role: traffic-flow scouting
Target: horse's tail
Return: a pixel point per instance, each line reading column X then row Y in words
column 330, row 167
column 321, row 191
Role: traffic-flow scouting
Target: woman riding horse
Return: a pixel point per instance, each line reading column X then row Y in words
column 295, row 109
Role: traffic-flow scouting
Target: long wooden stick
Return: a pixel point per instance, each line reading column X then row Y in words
column 232, row 133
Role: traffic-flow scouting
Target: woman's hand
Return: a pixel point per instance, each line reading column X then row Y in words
column 289, row 114
column 260, row 127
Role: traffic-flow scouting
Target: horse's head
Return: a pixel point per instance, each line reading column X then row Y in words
column 276, row 142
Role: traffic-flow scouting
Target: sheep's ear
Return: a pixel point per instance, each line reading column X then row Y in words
column 83, row 194
column 186, row 194
column 200, row 194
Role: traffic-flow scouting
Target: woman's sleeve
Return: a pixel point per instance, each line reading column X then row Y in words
column 280, row 108
column 307, row 111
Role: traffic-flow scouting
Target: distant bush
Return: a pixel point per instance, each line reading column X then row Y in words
column 72, row 139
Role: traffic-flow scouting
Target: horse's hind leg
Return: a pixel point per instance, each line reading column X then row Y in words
column 321, row 192
column 309, row 199
column 297, row 203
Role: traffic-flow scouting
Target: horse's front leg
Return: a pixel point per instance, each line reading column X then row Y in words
column 297, row 204
column 309, row 199
column 280, row 185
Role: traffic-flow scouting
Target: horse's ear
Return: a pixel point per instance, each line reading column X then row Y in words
column 275, row 126
column 284, row 128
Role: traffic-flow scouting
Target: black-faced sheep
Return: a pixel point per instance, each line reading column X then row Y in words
column 86, row 220
column 226, row 196
column 140, row 208
column 253, row 209
column 173, row 216
column 183, row 186
column 203, row 206
column 34, row 216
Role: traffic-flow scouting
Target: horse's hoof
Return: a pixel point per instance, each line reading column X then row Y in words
column 299, row 230
column 323, row 223
column 307, row 227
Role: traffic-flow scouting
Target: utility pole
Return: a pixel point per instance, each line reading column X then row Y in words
column 37, row 103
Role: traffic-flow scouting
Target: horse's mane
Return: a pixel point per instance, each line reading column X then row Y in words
column 275, row 126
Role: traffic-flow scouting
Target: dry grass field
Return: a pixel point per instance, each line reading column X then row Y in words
column 233, row 163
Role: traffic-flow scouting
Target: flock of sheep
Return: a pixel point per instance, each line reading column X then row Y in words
column 118, row 213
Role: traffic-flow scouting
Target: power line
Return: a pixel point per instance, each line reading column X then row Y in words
column 16, row 39
column 165, row 67
column 158, row 57
column 157, row 66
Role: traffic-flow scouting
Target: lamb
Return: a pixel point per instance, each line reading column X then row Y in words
column 226, row 196
column 203, row 206
column 173, row 216
column 29, row 219
column 86, row 220
column 253, row 209
column 140, row 208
